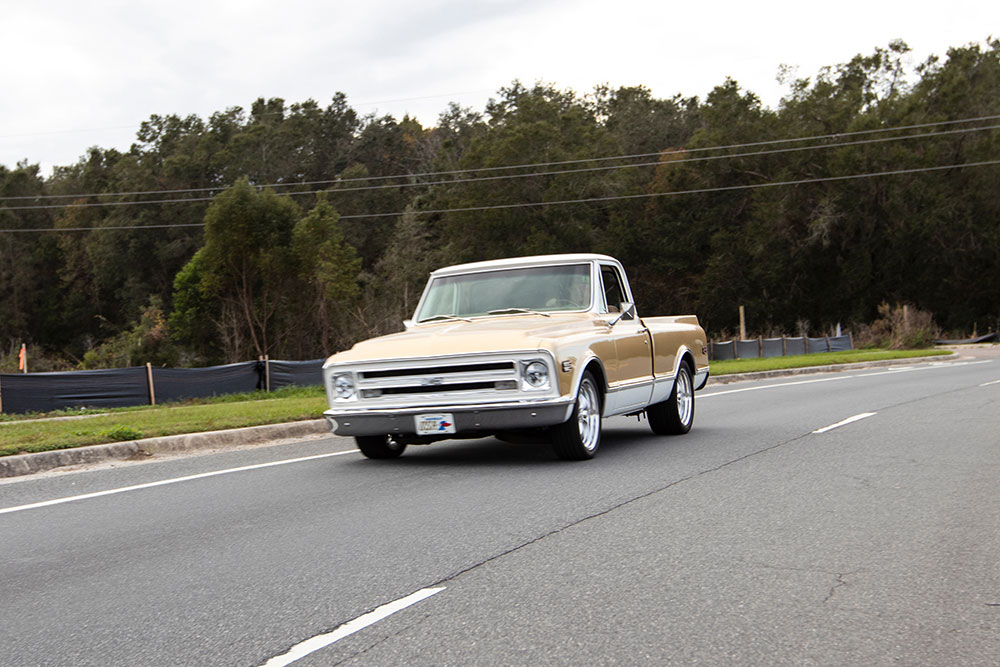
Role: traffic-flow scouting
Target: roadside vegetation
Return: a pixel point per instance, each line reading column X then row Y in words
column 64, row 429
column 21, row 434
column 732, row 366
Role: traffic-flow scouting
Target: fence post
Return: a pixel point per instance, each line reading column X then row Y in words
column 1, row 398
column 711, row 353
column 149, row 383
column 743, row 324
column 850, row 338
column 828, row 344
column 784, row 346
column 760, row 346
column 267, row 374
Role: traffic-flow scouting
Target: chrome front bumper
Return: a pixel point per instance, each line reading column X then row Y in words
column 469, row 419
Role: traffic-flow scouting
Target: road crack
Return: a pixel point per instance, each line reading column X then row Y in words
column 840, row 578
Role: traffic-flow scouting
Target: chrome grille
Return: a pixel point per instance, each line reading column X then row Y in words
column 446, row 379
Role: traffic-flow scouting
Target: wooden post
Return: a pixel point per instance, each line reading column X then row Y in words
column 760, row 346
column 1, row 399
column 267, row 374
column 149, row 383
column 850, row 337
column 743, row 324
column 784, row 346
column 828, row 344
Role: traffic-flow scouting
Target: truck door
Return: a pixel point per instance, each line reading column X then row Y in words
column 630, row 377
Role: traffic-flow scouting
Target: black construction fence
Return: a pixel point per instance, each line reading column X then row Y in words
column 148, row 385
column 777, row 347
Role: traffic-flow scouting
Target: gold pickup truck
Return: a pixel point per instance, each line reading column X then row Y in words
column 543, row 346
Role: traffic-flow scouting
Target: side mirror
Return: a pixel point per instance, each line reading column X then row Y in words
column 627, row 313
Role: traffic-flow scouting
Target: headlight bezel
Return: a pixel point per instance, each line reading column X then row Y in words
column 343, row 387
column 536, row 375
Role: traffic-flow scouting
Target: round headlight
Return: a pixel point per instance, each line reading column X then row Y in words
column 343, row 386
column 536, row 374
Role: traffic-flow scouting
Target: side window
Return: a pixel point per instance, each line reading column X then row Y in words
column 611, row 282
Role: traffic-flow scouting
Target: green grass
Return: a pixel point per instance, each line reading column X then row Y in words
column 818, row 359
column 35, row 433
column 26, row 433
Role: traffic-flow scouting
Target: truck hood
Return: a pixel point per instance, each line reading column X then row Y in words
column 500, row 333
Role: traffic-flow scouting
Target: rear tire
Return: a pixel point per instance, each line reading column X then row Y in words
column 579, row 437
column 675, row 416
column 379, row 446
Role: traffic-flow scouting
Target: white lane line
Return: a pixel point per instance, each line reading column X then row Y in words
column 946, row 364
column 849, row 420
column 931, row 366
column 164, row 482
column 774, row 386
column 907, row 369
column 986, row 384
column 303, row 649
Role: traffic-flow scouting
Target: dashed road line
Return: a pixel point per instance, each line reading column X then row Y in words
column 845, row 422
column 302, row 649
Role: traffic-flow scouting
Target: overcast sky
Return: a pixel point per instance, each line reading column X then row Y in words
column 78, row 74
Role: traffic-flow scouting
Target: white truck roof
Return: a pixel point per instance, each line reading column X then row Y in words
column 514, row 262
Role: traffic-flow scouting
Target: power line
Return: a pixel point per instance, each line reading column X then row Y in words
column 524, row 166
column 528, row 175
column 728, row 188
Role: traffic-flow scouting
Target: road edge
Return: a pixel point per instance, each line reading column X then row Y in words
column 830, row 368
column 27, row 464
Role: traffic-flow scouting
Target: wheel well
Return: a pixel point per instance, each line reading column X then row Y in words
column 689, row 360
column 598, row 372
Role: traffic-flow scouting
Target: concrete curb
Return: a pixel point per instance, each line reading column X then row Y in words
column 26, row 464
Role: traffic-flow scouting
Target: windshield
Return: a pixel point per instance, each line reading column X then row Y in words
column 536, row 288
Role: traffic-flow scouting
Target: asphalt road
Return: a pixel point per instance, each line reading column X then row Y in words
column 754, row 540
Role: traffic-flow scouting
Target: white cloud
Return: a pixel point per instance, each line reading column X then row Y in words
column 77, row 68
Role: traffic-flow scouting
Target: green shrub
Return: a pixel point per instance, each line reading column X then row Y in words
column 899, row 327
column 121, row 432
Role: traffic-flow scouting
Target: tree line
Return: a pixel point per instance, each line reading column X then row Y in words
column 293, row 230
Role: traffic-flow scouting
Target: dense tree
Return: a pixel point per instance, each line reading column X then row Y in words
column 695, row 213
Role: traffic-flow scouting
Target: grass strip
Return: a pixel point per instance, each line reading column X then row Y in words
column 38, row 434
column 732, row 366
column 20, row 434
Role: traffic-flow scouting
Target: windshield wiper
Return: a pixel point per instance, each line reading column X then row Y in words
column 505, row 311
column 446, row 317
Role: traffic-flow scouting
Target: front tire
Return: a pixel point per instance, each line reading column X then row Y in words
column 675, row 416
column 379, row 446
column 578, row 438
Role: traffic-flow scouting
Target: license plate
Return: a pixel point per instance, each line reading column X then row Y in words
column 435, row 424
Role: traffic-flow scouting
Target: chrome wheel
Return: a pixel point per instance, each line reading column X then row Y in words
column 579, row 437
column 588, row 415
column 675, row 415
column 685, row 398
